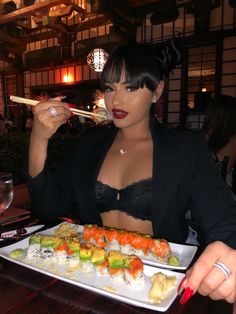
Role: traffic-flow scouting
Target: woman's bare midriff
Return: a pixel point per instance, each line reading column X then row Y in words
column 118, row 219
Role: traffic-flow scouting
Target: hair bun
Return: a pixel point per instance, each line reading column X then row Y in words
column 169, row 55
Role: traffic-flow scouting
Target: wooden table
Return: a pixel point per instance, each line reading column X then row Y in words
column 26, row 291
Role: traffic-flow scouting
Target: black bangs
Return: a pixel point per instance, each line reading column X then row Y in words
column 135, row 64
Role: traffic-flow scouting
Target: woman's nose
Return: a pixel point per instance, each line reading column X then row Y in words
column 116, row 99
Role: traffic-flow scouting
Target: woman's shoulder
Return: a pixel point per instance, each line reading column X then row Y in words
column 182, row 135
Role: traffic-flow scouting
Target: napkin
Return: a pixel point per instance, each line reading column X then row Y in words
column 14, row 214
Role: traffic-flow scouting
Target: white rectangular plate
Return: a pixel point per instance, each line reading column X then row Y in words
column 101, row 284
column 185, row 253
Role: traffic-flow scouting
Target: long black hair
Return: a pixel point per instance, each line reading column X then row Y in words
column 220, row 122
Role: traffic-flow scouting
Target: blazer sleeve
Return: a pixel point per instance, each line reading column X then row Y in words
column 52, row 193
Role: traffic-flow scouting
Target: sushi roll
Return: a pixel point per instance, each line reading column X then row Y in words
column 135, row 240
column 60, row 250
column 99, row 261
column 111, row 237
column 133, row 272
column 85, row 254
column 34, row 249
column 123, row 239
column 89, row 233
column 116, row 265
column 147, row 242
column 47, row 249
column 99, row 237
column 73, row 252
column 161, row 250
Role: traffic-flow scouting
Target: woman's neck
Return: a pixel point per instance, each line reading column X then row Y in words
column 135, row 132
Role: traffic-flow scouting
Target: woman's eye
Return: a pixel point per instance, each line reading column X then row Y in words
column 107, row 89
column 131, row 88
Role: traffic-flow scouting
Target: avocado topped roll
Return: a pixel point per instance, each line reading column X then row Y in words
column 34, row 248
column 133, row 272
column 73, row 251
column 47, row 246
column 115, row 265
column 99, row 260
column 86, row 250
column 60, row 249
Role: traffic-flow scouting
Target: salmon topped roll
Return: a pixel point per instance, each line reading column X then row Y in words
column 161, row 249
column 111, row 236
column 133, row 272
column 89, row 233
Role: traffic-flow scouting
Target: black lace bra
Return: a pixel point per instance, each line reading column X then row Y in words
column 134, row 199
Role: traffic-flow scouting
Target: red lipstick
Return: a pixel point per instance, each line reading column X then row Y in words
column 119, row 114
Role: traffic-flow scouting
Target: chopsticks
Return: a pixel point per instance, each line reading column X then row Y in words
column 78, row 112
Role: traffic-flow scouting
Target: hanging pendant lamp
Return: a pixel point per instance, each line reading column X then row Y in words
column 97, row 58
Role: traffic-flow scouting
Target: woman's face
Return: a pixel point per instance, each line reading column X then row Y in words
column 128, row 105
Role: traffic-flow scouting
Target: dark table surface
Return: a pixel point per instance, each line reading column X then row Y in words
column 26, row 291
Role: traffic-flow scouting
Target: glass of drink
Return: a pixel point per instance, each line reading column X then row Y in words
column 6, row 191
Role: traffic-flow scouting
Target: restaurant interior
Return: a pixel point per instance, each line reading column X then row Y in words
column 58, row 48
column 45, row 47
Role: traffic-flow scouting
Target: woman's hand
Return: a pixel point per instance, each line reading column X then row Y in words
column 208, row 279
column 45, row 124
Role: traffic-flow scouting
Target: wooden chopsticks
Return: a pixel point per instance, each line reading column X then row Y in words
column 78, row 112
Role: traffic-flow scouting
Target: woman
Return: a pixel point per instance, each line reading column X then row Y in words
column 219, row 127
column 137, row 175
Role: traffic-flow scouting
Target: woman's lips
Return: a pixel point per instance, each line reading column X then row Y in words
column 119, row 114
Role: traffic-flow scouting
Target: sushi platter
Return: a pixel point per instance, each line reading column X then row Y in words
column 104, row 284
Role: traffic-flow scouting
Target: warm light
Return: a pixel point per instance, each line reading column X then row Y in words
column 204, row 89
column 67, row 79
column 96, row 59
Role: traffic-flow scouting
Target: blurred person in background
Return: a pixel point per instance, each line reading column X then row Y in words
column 219, row 127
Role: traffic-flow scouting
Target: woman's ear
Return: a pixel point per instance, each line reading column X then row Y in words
column 158, row 92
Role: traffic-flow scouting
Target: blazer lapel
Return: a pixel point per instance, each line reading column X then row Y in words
column 165, row 174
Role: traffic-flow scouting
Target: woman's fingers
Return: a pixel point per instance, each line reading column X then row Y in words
column 210, row 279
column 46, row 121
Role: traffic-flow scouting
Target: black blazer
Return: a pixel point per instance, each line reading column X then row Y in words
column 184, row 178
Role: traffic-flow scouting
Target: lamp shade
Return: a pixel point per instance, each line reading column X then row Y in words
column 97, row 58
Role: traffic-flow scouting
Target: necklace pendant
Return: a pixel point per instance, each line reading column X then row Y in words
column 122, row 152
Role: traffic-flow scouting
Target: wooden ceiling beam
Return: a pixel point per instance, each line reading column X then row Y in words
column 30, row 10
column 71, row 29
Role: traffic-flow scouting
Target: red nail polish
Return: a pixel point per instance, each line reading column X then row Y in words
column 188, row 293
column 180, row 288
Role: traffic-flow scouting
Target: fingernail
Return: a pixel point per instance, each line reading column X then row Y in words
column 180, row 288
column 188, row 293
